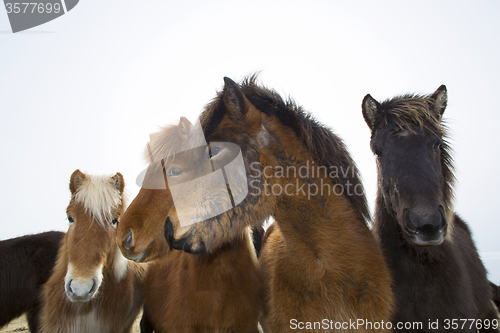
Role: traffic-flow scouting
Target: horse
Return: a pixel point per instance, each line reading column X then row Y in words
column 93, row 288
column 216, row 292
column 439, row 279
column 26, row 263
column 322, row 269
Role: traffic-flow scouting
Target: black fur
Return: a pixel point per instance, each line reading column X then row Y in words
column 26, row 263
column 496, row 294
column 257, row 236
column 146, row 325
column 431, row 282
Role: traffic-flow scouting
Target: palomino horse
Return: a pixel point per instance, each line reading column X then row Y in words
column 216, row 292
column 439, row 280
column 322, row 268
column 26, row 263
column 93, row 287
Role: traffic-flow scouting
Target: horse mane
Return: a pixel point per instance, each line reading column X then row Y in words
column 326, row 148
column 408, row 110
column 99, row 196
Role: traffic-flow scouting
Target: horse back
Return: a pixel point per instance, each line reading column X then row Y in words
column 26, row 263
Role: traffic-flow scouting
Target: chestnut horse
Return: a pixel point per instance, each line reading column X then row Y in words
column 93, row 287
column 26, row 263
column 438, row 275
column 215, row 292
column 322, row 268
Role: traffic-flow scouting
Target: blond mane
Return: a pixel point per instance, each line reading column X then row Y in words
column 99, row 197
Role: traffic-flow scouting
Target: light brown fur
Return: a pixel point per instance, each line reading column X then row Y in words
column 90, row 243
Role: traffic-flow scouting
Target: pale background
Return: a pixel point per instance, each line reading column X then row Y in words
column 86, row 90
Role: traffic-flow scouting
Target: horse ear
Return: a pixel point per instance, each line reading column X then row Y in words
column 233, row 99
column 76, row 180
column 370, row 108
column 184, row 127
column 118, row 182
column 440, row 98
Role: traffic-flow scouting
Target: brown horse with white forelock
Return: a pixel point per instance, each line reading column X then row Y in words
column 322, row 268
column 207, row 292
column 93, row 287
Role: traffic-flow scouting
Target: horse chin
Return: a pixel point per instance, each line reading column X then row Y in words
column 186, row 243
column 142, row 257
column 422, row 239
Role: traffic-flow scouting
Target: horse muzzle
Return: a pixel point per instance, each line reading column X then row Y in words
column 81, row 290
column 425, row 229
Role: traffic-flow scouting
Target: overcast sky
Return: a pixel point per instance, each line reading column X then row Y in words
column 85, row 91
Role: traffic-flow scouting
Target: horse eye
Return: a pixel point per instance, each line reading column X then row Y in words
column 174, row 172
column 378, row 152
column 214, row 151
column 437, row 144
column 114, row 221
column 71, row 220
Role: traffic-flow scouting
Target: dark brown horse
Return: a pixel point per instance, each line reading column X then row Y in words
column 439, row 279
column 26, row 263
column 322, row 268
column 207, row 292
column 93, row 287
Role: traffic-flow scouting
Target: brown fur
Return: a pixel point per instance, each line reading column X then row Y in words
column 218, row 292
column 90, row 242
column 320, row 260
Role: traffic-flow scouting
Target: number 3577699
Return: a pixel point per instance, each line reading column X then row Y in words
column 32, row 7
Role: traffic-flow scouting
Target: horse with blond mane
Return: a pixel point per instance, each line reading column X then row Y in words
column 93, row 287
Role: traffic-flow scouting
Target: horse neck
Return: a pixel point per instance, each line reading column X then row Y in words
column 230, row 252
column 116, row 266
column 314, row 218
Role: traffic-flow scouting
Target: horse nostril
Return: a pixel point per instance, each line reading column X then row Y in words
column 68, row 287
column 94, row 287
column 411, row 227
column 128, row 240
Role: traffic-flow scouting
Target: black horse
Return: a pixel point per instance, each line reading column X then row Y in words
column 26, row 263
column 439, row 279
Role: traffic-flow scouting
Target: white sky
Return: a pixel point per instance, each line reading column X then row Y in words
column 86, row 90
